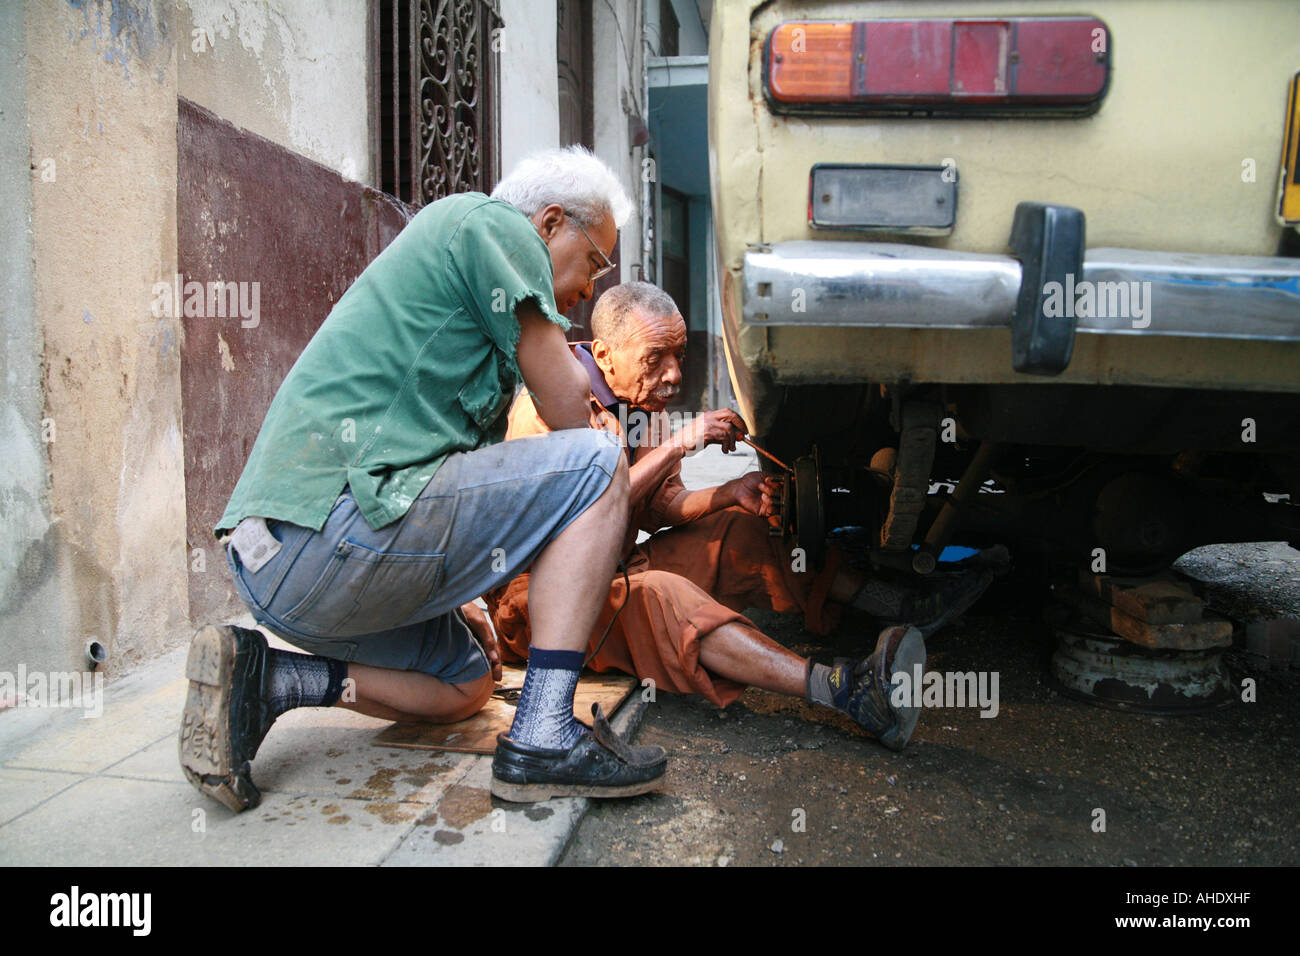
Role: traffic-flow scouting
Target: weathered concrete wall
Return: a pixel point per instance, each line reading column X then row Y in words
column 101, row 108
column 31, row 618
column 530, row 117
column 293, row 71
column 92, row 457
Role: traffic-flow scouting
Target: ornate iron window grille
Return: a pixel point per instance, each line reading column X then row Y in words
column 436, row 79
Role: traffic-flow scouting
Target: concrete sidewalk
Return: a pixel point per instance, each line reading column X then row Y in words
column 330, row 796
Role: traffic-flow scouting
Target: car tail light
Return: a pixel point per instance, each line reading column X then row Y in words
column 814, row 62
column 1013, row 65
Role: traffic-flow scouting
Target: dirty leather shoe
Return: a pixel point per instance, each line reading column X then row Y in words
column 600, row 764
column 226, row 713
column 899, row 648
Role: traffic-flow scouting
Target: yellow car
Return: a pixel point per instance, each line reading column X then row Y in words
column 1015, row 271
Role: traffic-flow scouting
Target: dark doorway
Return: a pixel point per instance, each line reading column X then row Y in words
column 573, row 63
column 675, row 255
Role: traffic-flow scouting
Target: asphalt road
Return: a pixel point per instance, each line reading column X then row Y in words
column 774, row 781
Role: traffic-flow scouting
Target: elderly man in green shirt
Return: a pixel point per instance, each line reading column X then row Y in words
column 379, row 498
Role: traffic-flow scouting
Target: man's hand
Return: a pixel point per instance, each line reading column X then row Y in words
column 755, row 492
column 721, row 427
column 482, row 628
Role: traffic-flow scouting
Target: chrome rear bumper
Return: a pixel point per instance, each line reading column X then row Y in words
column 895, row 285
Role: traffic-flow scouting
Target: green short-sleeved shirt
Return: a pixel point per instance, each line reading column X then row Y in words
column 415, row 361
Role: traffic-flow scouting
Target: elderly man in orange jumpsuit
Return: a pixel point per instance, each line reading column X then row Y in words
column 681, row 624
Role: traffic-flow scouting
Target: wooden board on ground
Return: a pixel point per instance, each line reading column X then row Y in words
column 478, row 735
column 1210, row 631
column 1162, row 600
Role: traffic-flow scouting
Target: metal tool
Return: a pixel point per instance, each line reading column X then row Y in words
column 766, row 454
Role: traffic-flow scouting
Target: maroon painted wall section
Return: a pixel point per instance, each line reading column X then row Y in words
column 292, row 235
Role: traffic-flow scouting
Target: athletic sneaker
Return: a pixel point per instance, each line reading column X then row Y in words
column 898, row 649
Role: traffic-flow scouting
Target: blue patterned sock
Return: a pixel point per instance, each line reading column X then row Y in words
column 544, row 714
column 303, row 680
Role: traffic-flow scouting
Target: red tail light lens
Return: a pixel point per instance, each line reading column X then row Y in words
column 1013, row 65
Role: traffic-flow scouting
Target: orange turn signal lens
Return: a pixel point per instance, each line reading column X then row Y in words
column 811, row 62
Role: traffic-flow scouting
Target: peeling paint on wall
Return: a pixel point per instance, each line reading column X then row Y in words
column 126, row 35
column 293, row 71
column 103, row 229
column 227, row 363
column 32, row 617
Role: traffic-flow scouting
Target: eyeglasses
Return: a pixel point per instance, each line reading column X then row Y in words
column 608, row 267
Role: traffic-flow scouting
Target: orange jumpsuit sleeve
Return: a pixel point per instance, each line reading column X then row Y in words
column 655, row 514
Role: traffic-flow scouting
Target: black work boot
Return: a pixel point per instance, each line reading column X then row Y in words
column 600, row 764
column 898, row 649
column 226, row 713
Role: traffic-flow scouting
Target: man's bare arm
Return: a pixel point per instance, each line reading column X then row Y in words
column 649, row 471
column 755, row 492
column 557, row 381
column 690, row 506
column 719, row 427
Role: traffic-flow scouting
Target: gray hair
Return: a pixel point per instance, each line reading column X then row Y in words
column 571, row 177
column 609, row 317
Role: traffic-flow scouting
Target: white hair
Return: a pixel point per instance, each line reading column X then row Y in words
column 571, row 177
